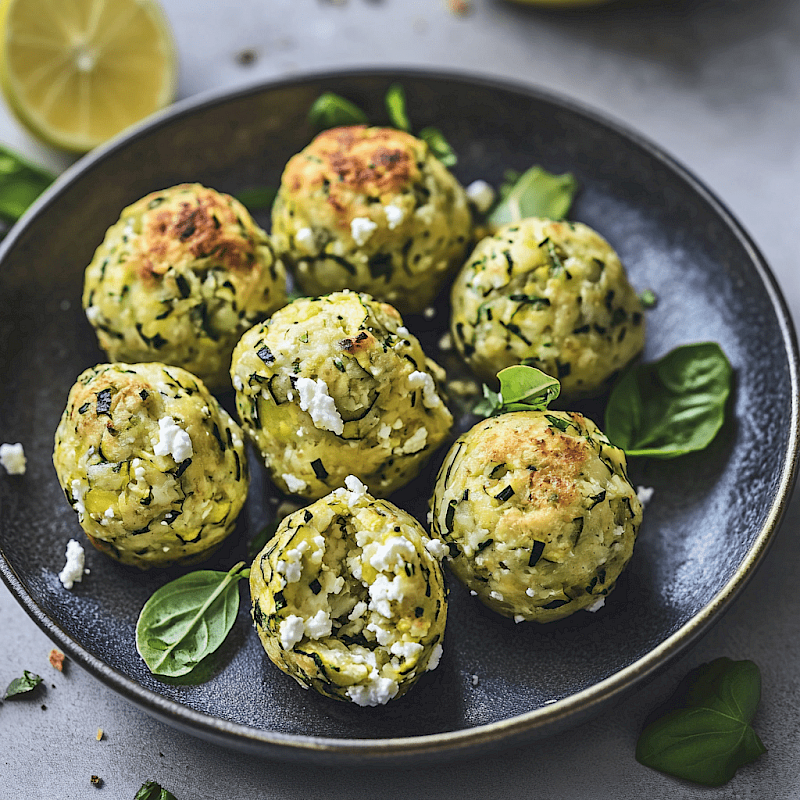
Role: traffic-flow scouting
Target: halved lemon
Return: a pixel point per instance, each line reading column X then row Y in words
column 77, row 72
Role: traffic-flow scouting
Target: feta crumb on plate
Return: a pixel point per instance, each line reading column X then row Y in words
column 73, row 569
column 12, row 457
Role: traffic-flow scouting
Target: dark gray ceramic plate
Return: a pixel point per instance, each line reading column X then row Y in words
column 709, row 524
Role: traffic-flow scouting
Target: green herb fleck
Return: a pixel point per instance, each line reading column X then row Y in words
column 439, row 146
column 20, row 184
column 536, row 193
column 152, row 791
column 648, row 298
column 27, row 683
column 396, row 106
column 331, row 110
column 710, row 737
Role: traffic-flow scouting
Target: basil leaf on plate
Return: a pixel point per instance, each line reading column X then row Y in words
column 396, row 106
column 673, row 406
column 331, row 110
column 536, row 193
column 187, row 619
column 257, row 198
column 522, row 388
column 150, row 790
column 27, row 683
column 711, row 737
column 439, row 146
column 20, row 184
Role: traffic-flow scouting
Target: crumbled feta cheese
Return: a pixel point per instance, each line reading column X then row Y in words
column 293, row 483
column 597, row 605
column 382, row 591
column 437, row 548
column 382, row 635
column 475, row 680
column 391, row 555
column 645, row 494
column 361, row 229
column 519, row 618
column 436, row 657
column 93, row 314
column 357, row 491
column 306, row 239
column 394, row 215
column 405, row 650
column 429, row 312
column 78, row 492
column 496, row 596
column 291, row 631
column 482, row 194
column 530, row 592
column 446, row 342
column 402, row 330
column 377, row 692
column 237, row 383
column 424, row 381
column 473, row 592
column 73, row 569
column 315, row 399
column 292, row 566
column 172, row 441
column 415, row 442
column 109, row 512
column 12, row 457
column 318, row 626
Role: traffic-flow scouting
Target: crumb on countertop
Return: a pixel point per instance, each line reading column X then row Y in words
column 56, row 658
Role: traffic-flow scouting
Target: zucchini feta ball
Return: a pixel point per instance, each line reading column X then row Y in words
column 151, row 463
column 178, row 279
column 349, row 597
column 538, row 513
column 371, row 209
column 550, row 294
column 332, row 386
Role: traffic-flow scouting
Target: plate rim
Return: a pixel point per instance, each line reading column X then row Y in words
column 449, row 744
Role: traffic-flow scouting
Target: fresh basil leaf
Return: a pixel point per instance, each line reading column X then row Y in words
column 673, row 406
column 258, row 198
column 331, row 110
column 20, row 184
column 187, row 619
column 396, row 106
column 257, row 543
column 152, row 791
column 439, row 146
column 27, row 683
column 522, row 388
column 709, row 739
column 536, row 193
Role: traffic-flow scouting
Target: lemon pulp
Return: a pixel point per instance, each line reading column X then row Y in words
column 78, row 72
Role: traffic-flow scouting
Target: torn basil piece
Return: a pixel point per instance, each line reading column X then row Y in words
column 536, row 193
column 331, row 110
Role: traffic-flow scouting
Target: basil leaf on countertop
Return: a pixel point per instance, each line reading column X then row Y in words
column 257, row 198
column 19, row 686
column 20, row 184
column 152, row 791
column 711, row 737
column 396, row 106
column 187, row 619
column 536, row 193
column 331, row 110
column 522, row 388
column 673, row 406
column 439, row 146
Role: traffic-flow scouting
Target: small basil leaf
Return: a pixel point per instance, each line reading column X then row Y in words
column 150, row 790
column 259, row 198
column 27, row 683
column 711, row 738
column 648, row 298
column 536, row 193
column 439, row 146
column 187, row 619
column 673, row 406
column 522, row 388
column 331, row 110
column 257, row 543
column 20, row 184
column 396, row 106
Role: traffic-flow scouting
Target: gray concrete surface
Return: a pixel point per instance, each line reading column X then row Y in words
column 716, row 83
